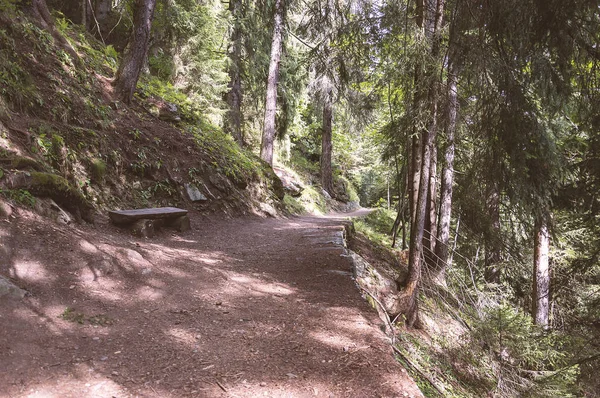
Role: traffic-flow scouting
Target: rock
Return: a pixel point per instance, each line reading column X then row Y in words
column 181, row 223
column 384, row 287
column 48, row 208
column 268, row 210
column 220, row 182
column 169, row 113
column 52, row 186
column 143, row 228
column 5, row 209
column 291, row 186
column 194, row 193
column 8, row 289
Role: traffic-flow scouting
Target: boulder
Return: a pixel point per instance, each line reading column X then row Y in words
column 169, row 112
column 194, row 193
column 221, row 182
column 291, row 185
column 10, row 290
column 268, row 210
column 6, row 210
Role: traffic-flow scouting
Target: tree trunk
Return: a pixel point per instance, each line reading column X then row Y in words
column 268, row 137
column 416, row 152
column 441, row 248
column 326, row 146
column 407, row 301
column 493, row 254
column 136, row 52
column 430, row 234
column 233, row 119
column 84, row 11
column 103, row 8
column 44, row 18
column 541, row 274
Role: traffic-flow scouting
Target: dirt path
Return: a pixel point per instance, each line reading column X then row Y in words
column 238, row 308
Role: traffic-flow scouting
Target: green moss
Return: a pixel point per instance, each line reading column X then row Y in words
column 59, row 189
column 293, row 206
column 47, row 184
column 226, row 155
column 97, row 170
column 22, row 163
column 21, row 196
column 313, row 201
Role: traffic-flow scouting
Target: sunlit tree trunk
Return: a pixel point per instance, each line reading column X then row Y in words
column 268, row 137
column 416, row 153
column 430, row 234
column 233, row 119
column 441, row 249
column 541, row 274
column 137, row 49
column 431, row 23
column 326, row 146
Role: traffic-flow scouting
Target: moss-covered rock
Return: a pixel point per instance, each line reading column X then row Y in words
column 97, row 170
column 52, row 186
column 17, row 162
column 275, row 182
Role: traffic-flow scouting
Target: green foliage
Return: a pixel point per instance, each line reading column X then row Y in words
column 313, row 201
column 227, row 157
column 519, row 344
column 377, row 226
column 16, row 85
column 9, row 6
column 21, row 196
column 72, row 315
column 187, row 50
column 293, row 206
column 97, row 170
column 190, row 110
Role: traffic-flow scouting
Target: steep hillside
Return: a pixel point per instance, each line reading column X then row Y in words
column 63, row 137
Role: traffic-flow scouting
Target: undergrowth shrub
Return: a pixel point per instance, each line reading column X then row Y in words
column 377, row 226
column 532, row 361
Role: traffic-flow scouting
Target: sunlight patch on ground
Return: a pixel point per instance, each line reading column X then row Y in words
column 334, row 340
column 105, row 295
column 288, row 387
column 81, row 388
column 261, row 286
column 148, row 293
column 87, row 247
column 182, row 336
column 31, row 271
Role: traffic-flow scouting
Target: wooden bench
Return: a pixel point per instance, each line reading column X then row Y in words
column 145, row 222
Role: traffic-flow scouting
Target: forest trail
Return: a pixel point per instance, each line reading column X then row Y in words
column 234, row 308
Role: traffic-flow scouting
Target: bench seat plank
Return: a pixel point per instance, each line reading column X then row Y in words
column 130, row 216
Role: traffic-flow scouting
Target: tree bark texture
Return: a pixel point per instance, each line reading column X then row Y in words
column 103, row 8
column 327, row 146
column 268, row 137
column 541, row 275
column 441, row 249
column 136, row 52
column 431, row 20
column 233, row 120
